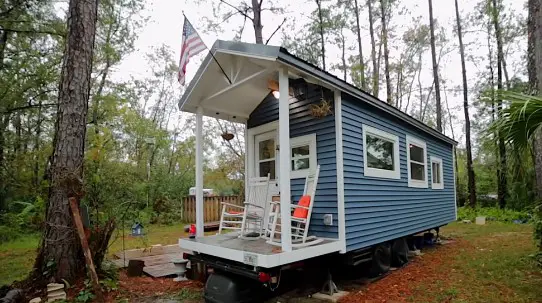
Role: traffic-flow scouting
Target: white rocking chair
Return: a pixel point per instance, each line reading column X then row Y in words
column 300, row 217
column 248, row 218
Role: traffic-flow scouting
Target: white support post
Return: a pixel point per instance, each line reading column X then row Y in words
column 246, row 160
column 199, row 172
column 284, row 159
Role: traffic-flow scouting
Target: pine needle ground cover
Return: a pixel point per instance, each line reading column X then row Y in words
column 489, row 263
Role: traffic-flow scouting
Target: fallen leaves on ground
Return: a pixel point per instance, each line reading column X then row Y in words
column 149, row 287
column 422, row 278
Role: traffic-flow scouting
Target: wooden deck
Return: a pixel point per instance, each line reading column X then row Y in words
column 158, row 259
column 256, row 252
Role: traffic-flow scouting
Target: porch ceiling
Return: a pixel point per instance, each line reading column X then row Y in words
column 210, row 89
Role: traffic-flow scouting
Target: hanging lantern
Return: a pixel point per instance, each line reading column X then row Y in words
column 227, row 136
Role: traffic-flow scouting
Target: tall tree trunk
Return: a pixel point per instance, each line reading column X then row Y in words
column 435, row 67
column 59, row 245
column 534, row 28
column 376, row 71
column 36, row 168
column 322, row 40
column 502, row 171
column 420, row 87
column 343, row 56
column 491, row 70
column 470, row 169
column 3, row 43
column 389, row 89
column 360, row 48
column 3, row 127
column 257, row 21
column 17, row 123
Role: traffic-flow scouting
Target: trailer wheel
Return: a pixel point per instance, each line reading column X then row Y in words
column 399, row 252
column 381, row 260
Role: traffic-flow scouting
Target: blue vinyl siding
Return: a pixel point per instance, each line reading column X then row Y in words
column 378, row 209
column 302, row 123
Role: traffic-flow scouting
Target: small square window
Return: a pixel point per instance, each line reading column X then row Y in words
column 437, row 180
column 303, row 155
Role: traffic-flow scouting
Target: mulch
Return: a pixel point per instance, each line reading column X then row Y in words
column 137, row 288
column 149, row 287
column 418, row 278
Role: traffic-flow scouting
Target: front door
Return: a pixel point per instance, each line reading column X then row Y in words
column 266, row 158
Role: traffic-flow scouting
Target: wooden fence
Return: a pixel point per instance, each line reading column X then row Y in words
column 211, row 207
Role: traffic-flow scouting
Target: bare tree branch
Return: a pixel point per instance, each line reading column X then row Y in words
column 33, row 32
column 29, row 106
column 228, row 143
column 278, row 27
column 237, row 9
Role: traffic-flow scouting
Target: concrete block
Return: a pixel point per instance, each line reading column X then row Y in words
column 334, row 298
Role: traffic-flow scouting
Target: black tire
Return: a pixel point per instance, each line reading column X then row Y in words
column 381, row 260
column 399, row 252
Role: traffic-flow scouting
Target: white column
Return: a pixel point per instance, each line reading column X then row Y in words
column 284, row 158
column 246, row 160
column 199, row 172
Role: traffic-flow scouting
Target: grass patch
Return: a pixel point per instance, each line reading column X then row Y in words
column 17, row 257
column 188, row 295
column 495, row 265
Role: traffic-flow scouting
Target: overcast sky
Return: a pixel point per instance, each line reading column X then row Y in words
column 166, row 19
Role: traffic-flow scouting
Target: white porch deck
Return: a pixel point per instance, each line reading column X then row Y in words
column 256, row 252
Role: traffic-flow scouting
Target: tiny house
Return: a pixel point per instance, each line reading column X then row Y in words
column 383, row 174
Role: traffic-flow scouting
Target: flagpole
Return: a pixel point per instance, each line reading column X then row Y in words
column 210, row 52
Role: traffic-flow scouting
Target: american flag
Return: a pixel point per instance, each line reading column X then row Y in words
column 192, row 45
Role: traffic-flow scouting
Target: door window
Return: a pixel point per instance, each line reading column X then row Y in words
column 266, row 157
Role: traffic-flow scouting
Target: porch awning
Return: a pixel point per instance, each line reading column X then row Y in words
column 249, row 67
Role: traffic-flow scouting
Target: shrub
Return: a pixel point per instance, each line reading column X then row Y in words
column 493, row 213
column 8, row 234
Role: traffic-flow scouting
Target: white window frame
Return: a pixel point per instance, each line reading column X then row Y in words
column 376, row 172
column 309, row 140
column 441, row 177
column 419, row 143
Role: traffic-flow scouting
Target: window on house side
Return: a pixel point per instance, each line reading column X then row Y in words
column 437, row 181
column 381, row 153
column 303, row 155
column 417, row 162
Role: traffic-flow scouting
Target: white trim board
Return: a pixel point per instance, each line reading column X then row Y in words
column 340, row 170
column 376, row 172
column 263, row 260
column 455, row 189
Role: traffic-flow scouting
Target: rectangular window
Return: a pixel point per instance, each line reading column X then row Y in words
column 266, row 158
column 380, row 154
column 303, row 155
column 417, row 162
column 437, row 181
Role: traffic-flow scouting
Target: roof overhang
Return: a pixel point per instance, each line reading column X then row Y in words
column 249, row 67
